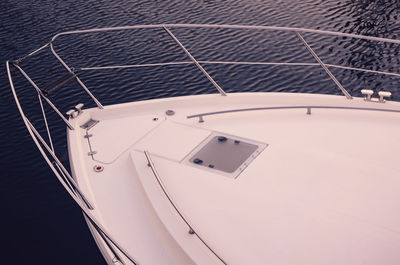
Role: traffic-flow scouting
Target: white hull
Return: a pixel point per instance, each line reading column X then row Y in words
column 316, row 194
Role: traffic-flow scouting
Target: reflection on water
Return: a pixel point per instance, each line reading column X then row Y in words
column 43, row 225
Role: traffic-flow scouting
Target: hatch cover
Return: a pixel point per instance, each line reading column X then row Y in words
column 225, row 154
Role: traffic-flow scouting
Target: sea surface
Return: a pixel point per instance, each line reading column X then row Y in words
column 40, row 224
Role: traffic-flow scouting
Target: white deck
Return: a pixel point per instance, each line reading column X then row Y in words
column 324, row 191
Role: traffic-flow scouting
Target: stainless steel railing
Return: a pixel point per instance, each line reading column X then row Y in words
column 66, row 179
column 166, row 27
column 63, row 175
column 201, row 116
column 162, row 186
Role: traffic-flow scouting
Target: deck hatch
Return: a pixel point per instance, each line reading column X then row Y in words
column 225, row 154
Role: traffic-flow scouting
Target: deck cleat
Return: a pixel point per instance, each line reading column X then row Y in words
column 368, row 94
column 383, row 95
column 72, row 113
column 79, row 108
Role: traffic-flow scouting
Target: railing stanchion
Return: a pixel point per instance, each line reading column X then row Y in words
column 344, row 91
column 78, row 200
column 59, row 164
column 221, row 91
column 43, row 96
column 99, row 105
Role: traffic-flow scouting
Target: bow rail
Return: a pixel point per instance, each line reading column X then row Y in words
column 47, row 150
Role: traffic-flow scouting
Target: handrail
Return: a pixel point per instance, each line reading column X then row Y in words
column 191, row 230
column 222, row 26
column 215, row 26
column 308, row 107
column 68, row 182
column 226, row 26
column 78, row 200
column 236, row 63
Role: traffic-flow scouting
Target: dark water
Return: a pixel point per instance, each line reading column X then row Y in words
column 39, row 222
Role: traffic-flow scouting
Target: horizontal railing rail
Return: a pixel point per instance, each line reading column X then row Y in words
column 298, row 32
column 224, row 26
column 93, row 68
column 307, row 107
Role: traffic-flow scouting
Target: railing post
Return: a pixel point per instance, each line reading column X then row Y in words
column 59, row 164
column 43, row 96
column 99, row 105
column 344, row 91
column 221, row 91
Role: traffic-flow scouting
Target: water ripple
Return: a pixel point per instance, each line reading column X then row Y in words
column 43, row 206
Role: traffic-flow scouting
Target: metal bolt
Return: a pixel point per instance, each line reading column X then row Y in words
column 170, row 112
column 222, row 139
column 197, row 161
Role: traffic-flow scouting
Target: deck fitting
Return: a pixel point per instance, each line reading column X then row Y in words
column 170, row 112
column 198, row 161
column 222, row 139
column 98, row 168
column 89, row 124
